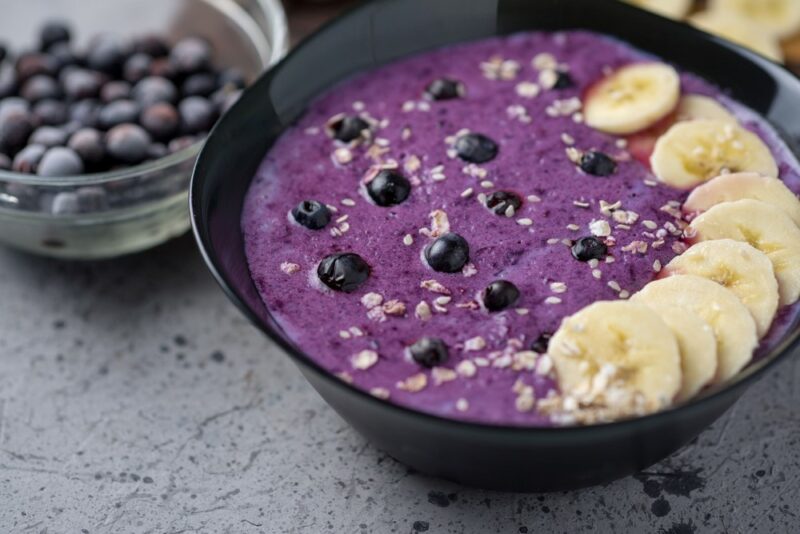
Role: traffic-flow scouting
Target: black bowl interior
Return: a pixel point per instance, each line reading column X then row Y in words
column 378, row 32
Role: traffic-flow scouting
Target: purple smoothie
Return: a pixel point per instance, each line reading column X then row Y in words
column 490, row 369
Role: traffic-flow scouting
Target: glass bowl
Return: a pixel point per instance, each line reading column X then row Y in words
column 104, row 215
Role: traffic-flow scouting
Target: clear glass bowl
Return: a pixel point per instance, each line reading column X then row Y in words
column 109, row 214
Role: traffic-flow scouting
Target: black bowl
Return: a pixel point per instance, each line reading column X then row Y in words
column 506, row 458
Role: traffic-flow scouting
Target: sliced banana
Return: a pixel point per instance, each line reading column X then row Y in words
column 765, row 228
column 741, row 32
column 674, row 9
column 731, row 187
column 621, row 345
column 633, row 98
column 692, row 107
column 737, row 266
column 693, row 152
column 697, row 345
column 780, row 18
column 734, row 327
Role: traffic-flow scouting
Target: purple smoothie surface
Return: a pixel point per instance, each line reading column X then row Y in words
column 528, row 249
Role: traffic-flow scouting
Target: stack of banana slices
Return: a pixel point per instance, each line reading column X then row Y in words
column 699, row 323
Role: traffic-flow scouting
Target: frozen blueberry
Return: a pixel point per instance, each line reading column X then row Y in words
column 40, row 87
column 116, row 90
column 476, row 148
column 157, row 150
column 48, row 136
column 197, row 115
column 128, row 143
column 154, row 89
column 232, row 77
column 88, row 144
column 589, row 248
column 85, row 112
column 162, row 68
column 50, row 112
column 444, row 89
column 117, row 113
column 151, row 45
column 15, row 127
column 429, row 352
column 27, row 160
column 8, row 81
column 389, row 188
column 224, row 99
column 312, row 214
column 597, row 164
column 33, row 63
column 500, row 295
column 563, row 80
column 80, row 83
column 60, row 161
column 541, row 343
column 181, row 143
column 499, row 202
column 5, row 162
column 54, row 32
column 201, row 84
column 3, row 52
column 137, row 67
column 13, row 104
column 107, row 54
column 190, row 55
column 64, row 55
column 448, row 254
column 161, row 120
column 349, row 128
column 343, row 272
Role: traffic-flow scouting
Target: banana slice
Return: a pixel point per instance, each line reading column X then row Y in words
column 674, row 9
column 765, row 228
column 731, row 187
column 693, row 107
column 741, row 32
column 693, row 152
column 780, row 18
column 618, row 345
column 737, row 266
column 697, row 345
column 633, row 98
column 734, row 327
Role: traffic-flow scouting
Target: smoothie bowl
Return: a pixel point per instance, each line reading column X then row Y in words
column 531, row 248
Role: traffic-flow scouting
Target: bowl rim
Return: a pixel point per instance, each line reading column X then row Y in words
column 278, row 39
column 711, row 395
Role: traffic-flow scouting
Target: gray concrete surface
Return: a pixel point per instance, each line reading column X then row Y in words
column 134, row 398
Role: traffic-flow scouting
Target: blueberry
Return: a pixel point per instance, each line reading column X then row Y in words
column 64, row 55
column 8, row 81
column 157, row 150
column 448, row 254
column 162, row 68
column 33, row 63
column 48, row 136
column 85, row 112
column 117, row 113
column 429, row 352
column 128, row 143
column 563, row 80
column 137, row 67
column 151, row 45
column 224, row 99
column 500, row 295
column 190, row 55
column 161, row 120
column 27, row 160
column 389, row 188
column 202, row 84
column 232, row 78
column 197, row 115
column 444, row 89
column 312, row 214
column 500, row 201
column 13, row 104
column 541, row 343
column 107, row 54
column 116, row 90
column 154, row 89
column 181, row 143
column 40, row 87
column 88, row 144
column 476, row 148
column 589, row 248
column 81, row 83
column 597, row 164
column 15, row 127
column 60, row 161
column 54, row 32
column 343, row 272
column 50, row 112
column 349, row 128
column 5, row 163
column 3, row 52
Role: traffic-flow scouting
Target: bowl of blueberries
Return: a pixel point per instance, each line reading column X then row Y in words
column 104, row 107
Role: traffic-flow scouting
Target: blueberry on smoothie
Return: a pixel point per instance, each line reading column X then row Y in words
column 429, row 352
column 597, row 164
column 312, row 214
column 389, row 188
column 343, row 272
column 448, row 254
column 476, row 148
column 500, row 295
column 541, row 343
column 563, row 80
column 499, row 202
column 349, row 128
column 589, row 248
column 444, row 89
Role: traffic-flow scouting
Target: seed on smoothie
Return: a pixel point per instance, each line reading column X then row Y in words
column 444, row 89
column 429, row 352
column 597, row 163
column 475, row 148
column 541, row 343
column 589, row 248
column 448, row 254
column 500, row 295
column 312, row 214
column 348, row 128
column 343, row 272
column 500, row 201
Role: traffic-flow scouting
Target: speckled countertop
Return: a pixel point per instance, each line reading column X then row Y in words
column 134, row 398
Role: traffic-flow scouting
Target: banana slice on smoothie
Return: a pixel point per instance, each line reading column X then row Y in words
column 674, row 9
column 780, row 18
column 741, row 32
column 632, row 98
column 734, row 327
column 617, row 346
column 732, row 187
column 692, row 107
column 694, row 152
column 763, row 227
column 737, row 266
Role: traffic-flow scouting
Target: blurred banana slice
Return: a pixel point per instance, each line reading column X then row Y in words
column 741, row 32
column 763, row 227
column 693, row 107
column 674, row 9
column 693, row 152
column 779, row 18
column 621, row 347
column 632, row 98
column 737, row 266
column 732, row 187
column 734, row 327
